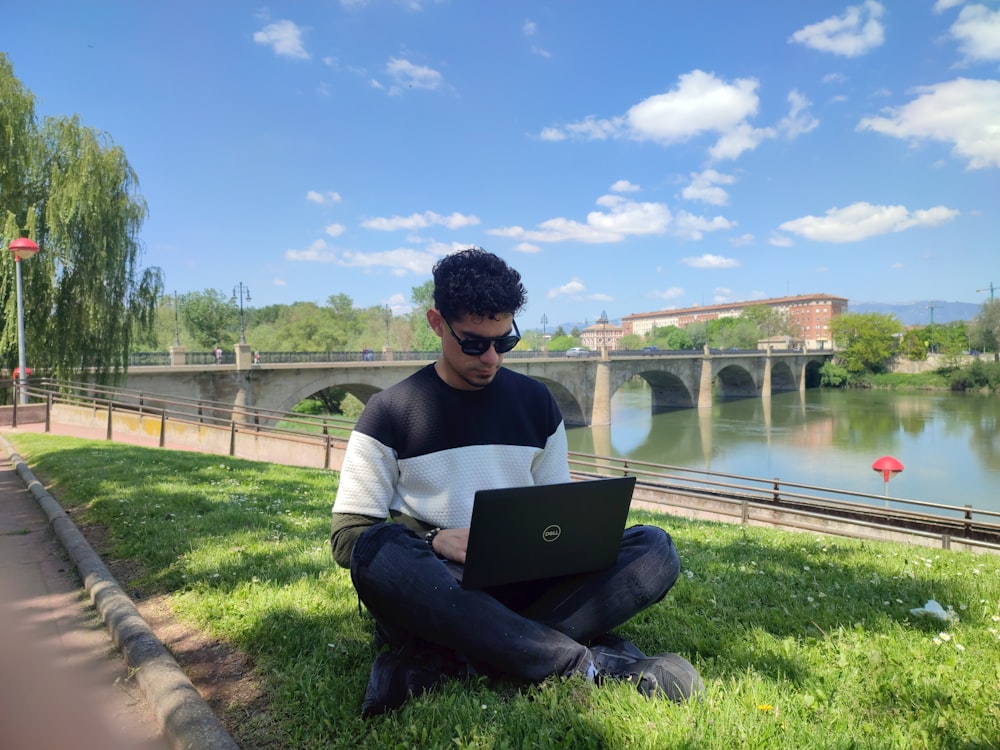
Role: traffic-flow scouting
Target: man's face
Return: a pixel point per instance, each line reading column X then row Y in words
column 465, row 371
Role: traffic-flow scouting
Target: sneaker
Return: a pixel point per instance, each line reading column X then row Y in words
column 616, row 643
column 402, row 674
column 664, row 675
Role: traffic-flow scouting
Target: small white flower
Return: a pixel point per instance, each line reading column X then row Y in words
column 959, row 647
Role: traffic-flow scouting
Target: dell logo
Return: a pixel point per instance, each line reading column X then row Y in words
column 551, row 533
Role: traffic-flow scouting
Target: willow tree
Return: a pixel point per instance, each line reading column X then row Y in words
column 77, row 196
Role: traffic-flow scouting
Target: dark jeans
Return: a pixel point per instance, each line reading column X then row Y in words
column 530, row 631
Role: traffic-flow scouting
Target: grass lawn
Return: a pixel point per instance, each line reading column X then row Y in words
column 803, row 641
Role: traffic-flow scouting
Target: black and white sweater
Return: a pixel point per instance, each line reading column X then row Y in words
column 422, row 449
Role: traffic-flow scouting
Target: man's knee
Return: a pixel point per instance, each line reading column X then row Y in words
column 659, row 562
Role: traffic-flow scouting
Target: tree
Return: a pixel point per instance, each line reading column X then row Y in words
column 984, row 331
column 865, row 342
column 770, row 321
column 210, row 318
column 631, row 341
column 424, row 339
column 74, row 192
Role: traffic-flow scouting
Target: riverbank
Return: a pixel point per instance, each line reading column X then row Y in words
column 803, row 640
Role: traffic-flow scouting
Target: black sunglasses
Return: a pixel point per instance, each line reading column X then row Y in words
column 478, row 347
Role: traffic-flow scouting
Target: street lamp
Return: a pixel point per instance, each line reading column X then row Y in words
column 387, row 314
column 177, row 322
column 545, row 322
column 22, row 248
column 243, row 292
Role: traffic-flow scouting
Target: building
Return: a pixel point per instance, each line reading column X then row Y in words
column 602, row 333
column 809, row 314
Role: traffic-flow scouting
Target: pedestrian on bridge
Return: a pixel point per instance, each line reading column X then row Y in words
column 418, row 454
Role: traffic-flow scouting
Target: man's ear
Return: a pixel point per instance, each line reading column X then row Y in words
column 435, row 321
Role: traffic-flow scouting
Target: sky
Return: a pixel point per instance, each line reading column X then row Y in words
column 625, row 157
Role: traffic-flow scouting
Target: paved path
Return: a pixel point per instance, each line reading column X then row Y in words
column 63, row 682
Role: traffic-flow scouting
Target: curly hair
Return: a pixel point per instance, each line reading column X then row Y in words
column 476, row 282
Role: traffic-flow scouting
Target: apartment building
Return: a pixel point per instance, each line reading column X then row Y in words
column 810, row 314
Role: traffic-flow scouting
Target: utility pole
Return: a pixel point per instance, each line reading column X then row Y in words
column 930, row 346
column 989, row 289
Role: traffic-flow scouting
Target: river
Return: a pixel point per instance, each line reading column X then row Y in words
column 947, row 442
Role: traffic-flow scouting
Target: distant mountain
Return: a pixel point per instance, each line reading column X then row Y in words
column 919, row 313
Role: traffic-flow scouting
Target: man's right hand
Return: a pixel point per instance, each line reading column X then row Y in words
column 451, row 544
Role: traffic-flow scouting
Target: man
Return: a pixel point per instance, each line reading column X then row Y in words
column 418, row 454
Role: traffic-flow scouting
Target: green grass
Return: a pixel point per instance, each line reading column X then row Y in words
column 804, row 641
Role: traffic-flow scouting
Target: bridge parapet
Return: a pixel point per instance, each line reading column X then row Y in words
column 583, row 388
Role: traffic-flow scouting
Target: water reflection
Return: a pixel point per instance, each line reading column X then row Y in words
column 947, row 442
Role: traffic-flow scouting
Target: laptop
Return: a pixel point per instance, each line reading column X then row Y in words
column 542, row 531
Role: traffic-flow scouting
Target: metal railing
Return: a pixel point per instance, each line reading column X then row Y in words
column 694, row 486
column 961, row 520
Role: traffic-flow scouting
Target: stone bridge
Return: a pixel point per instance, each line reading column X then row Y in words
column 582, row 387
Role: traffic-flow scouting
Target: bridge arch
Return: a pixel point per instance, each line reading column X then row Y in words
column 736, row 381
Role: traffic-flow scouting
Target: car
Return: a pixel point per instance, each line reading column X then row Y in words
column 650, row 350
column 577, row 351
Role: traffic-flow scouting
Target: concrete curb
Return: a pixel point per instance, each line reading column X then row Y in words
column 183, row 715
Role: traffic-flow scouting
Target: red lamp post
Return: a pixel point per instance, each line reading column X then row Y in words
column 22, row 248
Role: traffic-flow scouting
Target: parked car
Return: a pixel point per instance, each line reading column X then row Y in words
column 577, row 351
column 650, row 350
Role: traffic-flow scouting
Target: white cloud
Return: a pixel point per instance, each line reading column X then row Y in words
column 978, row 33
column 624, row 186
column 674, row 292
column 710, row 261
column 284, row 37
column 743, row 239
column 420, row 221
column 573, row 288
column 527, row 247
column 854, row 33
column 399, row 261
column 407, row 75
column 317, row 252
column 741, row 138
column 798, row 120
column 780, row 240
column 700, row 103
column 943, row 5
column 334, row 230
column 964, row 112
column 529, row 28
column 314, row 196
column 862, row 220
column 624, row 218
column 691, row 227
column 704, row 187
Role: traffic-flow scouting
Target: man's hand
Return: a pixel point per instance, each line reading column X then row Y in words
column 451, row 544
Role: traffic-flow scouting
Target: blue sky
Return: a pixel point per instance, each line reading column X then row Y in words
column 625, row 157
